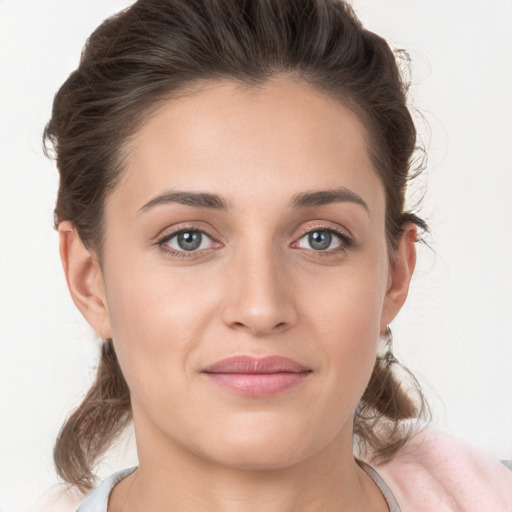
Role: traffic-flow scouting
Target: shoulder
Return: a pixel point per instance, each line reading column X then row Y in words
column 97, row 501
column 435, row 471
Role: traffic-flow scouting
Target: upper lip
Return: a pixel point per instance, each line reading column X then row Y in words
column 256, row 365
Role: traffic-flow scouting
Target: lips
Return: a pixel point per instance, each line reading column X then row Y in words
column 257, row 377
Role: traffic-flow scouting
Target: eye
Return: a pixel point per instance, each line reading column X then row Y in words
column 322, row 240
column 187, row 241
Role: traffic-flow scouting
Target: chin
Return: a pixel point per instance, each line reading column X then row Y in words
column 257, row 457
column 266, row 445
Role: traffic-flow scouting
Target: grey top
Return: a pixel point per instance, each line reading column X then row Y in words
column 97, row 500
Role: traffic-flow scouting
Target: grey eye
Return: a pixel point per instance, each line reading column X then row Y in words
column 320, row 240
column 189, row 241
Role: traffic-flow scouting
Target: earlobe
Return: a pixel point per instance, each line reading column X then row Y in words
column 400, row 274
column 84, row 279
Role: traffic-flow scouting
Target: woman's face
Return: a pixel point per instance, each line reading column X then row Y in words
column 248, row 224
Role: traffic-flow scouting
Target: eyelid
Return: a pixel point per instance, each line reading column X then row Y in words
column 191, row 225
column 343, row 234
column 168, row 239
column 325, row 226
column 168, row 233
column 346, row 239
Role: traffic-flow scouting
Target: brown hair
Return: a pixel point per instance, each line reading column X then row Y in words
column 159, row 48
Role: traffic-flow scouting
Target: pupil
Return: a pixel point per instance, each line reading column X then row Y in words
column 189, row 240
column 320, row 240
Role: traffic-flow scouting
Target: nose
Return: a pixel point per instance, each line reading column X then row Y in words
column 260, row 297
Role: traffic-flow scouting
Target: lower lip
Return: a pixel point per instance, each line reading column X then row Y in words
column 258, row 384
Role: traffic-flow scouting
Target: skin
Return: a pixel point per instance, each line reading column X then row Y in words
column 255, row 287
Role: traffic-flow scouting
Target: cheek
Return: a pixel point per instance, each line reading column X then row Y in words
column 346, row 318
column 351, row 298
column 156, row 318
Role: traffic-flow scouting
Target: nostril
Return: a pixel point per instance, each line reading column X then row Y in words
column 259, row 329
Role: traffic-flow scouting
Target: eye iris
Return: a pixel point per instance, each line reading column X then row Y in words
column 320, row 240
column 189, row 240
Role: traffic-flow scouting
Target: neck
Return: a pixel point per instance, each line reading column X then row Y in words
column 329, row 481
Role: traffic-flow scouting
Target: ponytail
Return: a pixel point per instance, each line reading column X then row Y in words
column 388, row 400
column 94, row 425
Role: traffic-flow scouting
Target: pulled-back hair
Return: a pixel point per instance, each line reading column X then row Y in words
column 158, row 49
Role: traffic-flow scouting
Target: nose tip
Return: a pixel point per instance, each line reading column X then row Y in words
column 260, row 302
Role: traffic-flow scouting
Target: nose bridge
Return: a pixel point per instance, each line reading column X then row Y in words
column 259, row 297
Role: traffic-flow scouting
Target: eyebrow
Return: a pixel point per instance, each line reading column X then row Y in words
column 323, row 197
column 197, row 199
column 217, row 202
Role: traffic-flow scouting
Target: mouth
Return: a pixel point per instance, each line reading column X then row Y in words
column 257, row 377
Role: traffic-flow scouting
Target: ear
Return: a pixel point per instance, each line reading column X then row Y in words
column 400, row 274
column 85, row 279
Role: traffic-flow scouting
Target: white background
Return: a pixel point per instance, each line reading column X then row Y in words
column 456, row 330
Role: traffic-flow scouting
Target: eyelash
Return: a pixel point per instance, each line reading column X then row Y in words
column 165, row 239
column 345, row 242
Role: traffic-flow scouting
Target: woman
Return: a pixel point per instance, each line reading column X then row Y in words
column 232, row 223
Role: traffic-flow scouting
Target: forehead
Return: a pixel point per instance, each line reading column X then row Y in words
column 279, row 139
